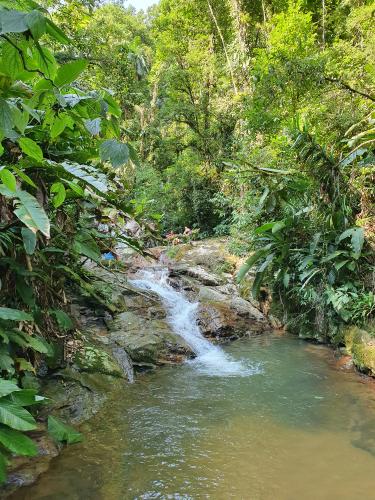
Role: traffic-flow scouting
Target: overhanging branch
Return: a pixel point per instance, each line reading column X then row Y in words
column 349, row 88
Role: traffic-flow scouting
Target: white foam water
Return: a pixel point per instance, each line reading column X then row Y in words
column 182, row 316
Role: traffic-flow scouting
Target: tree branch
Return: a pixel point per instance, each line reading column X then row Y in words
column 22, row 56
column 348, row 87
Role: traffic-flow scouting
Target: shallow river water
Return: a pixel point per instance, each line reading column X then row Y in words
column 295, row 427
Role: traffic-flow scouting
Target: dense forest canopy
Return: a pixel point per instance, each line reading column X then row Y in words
column 249, row 119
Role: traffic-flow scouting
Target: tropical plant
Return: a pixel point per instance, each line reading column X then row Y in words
column 313, row 247
column 62, row 155
column 15, row 420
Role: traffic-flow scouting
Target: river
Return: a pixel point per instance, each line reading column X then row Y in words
column 294, row 427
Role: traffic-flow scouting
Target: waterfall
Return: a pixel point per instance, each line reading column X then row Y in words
column 182, row 316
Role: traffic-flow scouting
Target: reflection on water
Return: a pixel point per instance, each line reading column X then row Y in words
column 295, row 429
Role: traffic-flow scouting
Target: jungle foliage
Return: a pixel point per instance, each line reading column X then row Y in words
column 251, row 119
column 63, row 157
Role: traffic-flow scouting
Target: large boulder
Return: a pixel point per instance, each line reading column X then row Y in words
column 196, row 272
column 361, row 345
column 77, row 396
column 210, row 254
column 223, row 315
column 141, row 330
column 92, row 359
column 149, row 341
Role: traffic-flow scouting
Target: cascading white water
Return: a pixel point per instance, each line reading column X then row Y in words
column 182, row 316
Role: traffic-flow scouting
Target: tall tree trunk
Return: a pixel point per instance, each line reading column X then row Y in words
column 230, row 67
column 241, row 35
column 239, row 25
column 323, row 23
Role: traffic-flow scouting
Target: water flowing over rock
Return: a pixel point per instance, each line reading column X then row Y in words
column 148, row 341
column 182, row 316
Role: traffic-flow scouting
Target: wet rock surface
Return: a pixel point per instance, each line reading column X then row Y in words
column 148, row 341
column 202, row 273
column 26, row 470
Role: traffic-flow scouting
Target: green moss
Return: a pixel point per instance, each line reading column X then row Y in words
column 177, row 252
column 361, row 345
column 225, row 267
column 94, row 360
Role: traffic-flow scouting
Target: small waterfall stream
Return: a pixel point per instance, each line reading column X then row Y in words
column 182, row 316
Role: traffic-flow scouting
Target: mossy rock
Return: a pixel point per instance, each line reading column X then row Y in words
column 92, row 359
column 211, row 254
column 77, row 396
column 361, row 345
column 178, row 252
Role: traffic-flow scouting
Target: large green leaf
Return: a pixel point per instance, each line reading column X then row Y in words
column 278, row 226
column 36, row 23
column 84, row 244
column 257, row 284
column 16, row 417
column 64, row 321
column 7, row 387
column 31, row 148
column 245, row 268
column 6, row 118
column 43, row 60
column 356, row 235
column 69, row 72
column 5, row 191
column 60, row 122
column 14, row 314
column 31, row 213
column 17, row 442
column 58, row 126
column 12, row 21
column 25, row 291
column 87, row 174
column 93, row 126
column 23, row 339
column 20, row 118
column 6, row 361
column 62, row 432
column 24, row 397
column 265, row 227
column 267, row 261
column 117, row 153
column 29, row 240
column 113, row 106
column 8, row 179
column 24, row 176
column 58, row 189
column 56, row 33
